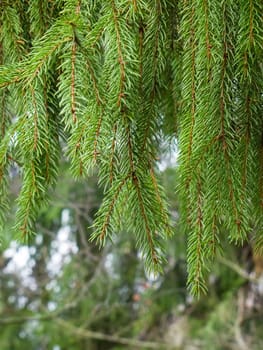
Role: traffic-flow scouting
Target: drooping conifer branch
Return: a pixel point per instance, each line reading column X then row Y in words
column 188, row 100
column 152, row 87
column 196, row 248
column 109, row 205
column 73, row 101
column 121, row 93
column 112, row 158
column 115, row 79
column 160, row 200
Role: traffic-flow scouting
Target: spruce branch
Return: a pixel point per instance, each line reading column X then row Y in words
column 106, row 211
column 111, row 81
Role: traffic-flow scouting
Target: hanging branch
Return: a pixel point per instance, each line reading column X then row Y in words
column 109, row 81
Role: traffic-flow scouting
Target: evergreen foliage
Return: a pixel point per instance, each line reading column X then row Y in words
column 105, row 82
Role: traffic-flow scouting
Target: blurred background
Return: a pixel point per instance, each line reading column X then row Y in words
column 62, row 292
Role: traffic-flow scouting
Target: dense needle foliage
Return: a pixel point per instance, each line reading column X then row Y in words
column 106, row 82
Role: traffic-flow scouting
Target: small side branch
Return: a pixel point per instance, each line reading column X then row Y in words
column 233, row 266
column 85, row 333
